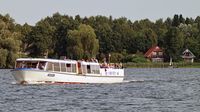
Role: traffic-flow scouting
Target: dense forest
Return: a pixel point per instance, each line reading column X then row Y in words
column 97, row 36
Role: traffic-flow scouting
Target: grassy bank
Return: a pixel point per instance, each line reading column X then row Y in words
column 161, row 65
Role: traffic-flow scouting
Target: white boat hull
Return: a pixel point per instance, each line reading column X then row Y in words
column 39, row 76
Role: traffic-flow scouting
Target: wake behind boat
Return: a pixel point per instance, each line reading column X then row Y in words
column 38, row 70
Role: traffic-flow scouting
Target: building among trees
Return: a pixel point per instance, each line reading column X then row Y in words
column 188, row 56
column 155, row 54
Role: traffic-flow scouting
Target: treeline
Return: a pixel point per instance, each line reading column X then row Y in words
column 97, row 36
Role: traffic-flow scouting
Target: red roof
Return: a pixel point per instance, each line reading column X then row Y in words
column 152, row 49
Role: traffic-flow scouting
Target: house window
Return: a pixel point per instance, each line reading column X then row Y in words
column 160, row 53
column 187, row 54
column 154, row 53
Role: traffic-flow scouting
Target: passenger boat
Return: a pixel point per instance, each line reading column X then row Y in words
column 38, row 70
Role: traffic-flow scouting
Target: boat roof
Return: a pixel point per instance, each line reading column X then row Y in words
column 47, row 60
column 57, row 60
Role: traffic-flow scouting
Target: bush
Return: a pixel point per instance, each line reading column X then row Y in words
column 135, row 58
column 116, row 57
column 3, row 57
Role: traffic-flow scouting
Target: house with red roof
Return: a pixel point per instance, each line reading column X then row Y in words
column 188, row 56
column 155, row 54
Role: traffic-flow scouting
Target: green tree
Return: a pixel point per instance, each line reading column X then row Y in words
column 82, row 43
column 176, row 21
column 174, row 43
column 116, row 57
column 62, row 24
column 181, row 19
column 3, row 58
column 103, row 30
column 40, row 39
column 9, row 41
column 24, row 31
column 160, row 29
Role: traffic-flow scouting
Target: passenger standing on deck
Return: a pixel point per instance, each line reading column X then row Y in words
column 105, row 63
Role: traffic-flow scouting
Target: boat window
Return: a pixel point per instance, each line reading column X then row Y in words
column 41, row 65
column 26, row 64
column 79, row 68
column 50, row 66
column 71, row 67
column 84, row 69
column 68, row 67
column 95, row 69
column 91, row 69
column 56, row 67
column 63, row 67
column 19, row 64
column 74, row 68
column 34, row 65
column 88, row 69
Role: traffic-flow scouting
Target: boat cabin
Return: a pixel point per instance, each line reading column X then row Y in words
column 90, row 67
column 64, row 66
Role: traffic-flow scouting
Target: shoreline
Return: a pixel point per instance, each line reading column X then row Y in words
column 161, row 65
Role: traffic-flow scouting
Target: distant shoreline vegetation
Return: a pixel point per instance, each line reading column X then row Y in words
column 116, row 40
column 161, row 65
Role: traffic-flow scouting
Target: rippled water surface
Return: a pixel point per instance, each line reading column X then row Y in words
column 145, row 90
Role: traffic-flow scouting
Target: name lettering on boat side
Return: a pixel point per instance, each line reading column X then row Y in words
column 51, row 75
column 112, row 73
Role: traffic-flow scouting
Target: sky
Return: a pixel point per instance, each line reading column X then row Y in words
column 32, row 11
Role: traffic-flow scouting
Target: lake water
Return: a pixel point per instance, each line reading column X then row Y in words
column 144, row 90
